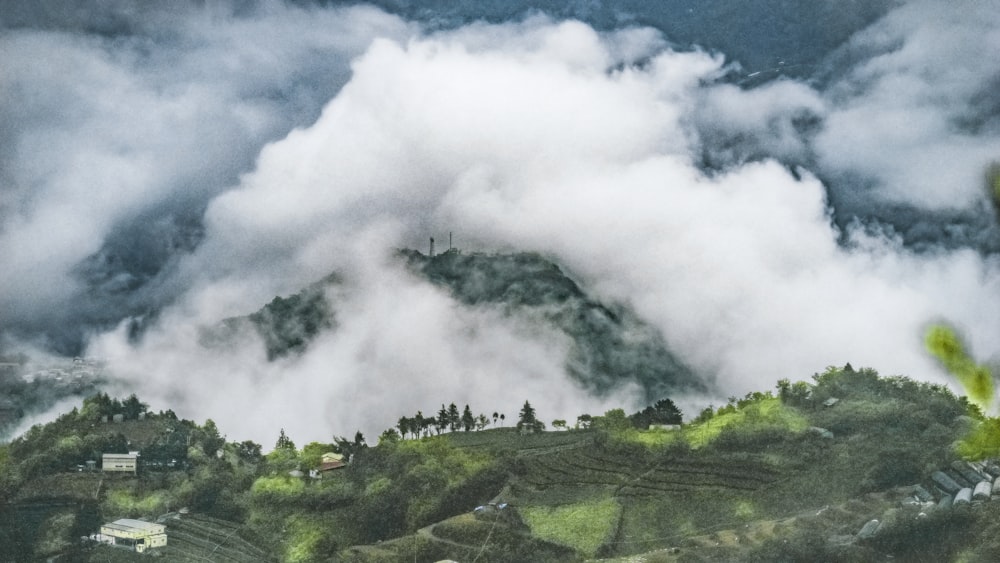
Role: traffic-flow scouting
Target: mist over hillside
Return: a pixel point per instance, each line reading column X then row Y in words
column 609, row 346
column 764, row 188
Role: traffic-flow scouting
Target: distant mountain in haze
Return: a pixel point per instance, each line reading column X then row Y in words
column 286, row 324
column 610, row 346
column 773, row 37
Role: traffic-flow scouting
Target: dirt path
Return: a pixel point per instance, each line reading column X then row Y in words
column 428, row 532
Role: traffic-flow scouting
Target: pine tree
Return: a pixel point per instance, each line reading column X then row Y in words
column 527, row 421
column 442, row 419
column 284, row 442
column 454, row 421
column 468, row 421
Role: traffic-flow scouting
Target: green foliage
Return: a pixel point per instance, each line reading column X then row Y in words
column 613, row 421
column 305, row 536
column 663, row 411
column 527, row 421
column 282, row 460
column 284, row 442
column 311, row 455
column 133, row 504
column 249, row 451
column 468, row 421
column 288, row 324
column 208, row 438
column 389, row 436
column 762, row 413
column 584, row 526
column 982, row 442
column 944, row 344
column 277, row 488
column 350, row 448
column 896, row 466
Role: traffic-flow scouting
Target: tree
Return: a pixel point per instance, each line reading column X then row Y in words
column 454, row 421
column 584, row 421
column 133, row 407
column 481, row 422
column 312, row 454
column 614, row 420
column 388, row 436
column 350, row 448
column 249, row 451
column 404, row 425
column 210, row 439
column 502, row 417
column 495, row 417
column 468, row 421
column 663, row 411
column 442, row 419
column 527, row 421
column 284, row 442
column 559, row 423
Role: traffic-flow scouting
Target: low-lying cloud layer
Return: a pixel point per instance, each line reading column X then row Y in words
column 766, row 232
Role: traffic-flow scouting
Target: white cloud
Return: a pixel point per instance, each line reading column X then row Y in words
column 914, row 114
column 536, row 136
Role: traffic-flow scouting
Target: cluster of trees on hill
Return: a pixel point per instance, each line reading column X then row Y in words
column 447, row 419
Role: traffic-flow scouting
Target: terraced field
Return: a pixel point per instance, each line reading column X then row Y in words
column 582, row 466
column 202, row 538
column 525, row 445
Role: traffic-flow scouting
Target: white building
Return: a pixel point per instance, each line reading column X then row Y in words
column 120, row 463
column 134, row 533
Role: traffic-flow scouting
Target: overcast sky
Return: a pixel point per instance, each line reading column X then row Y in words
column 177, row 166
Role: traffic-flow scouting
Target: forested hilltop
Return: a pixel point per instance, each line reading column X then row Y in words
column 794, row 474
column 610, row 345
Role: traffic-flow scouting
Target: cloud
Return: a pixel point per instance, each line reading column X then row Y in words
column 915, row 116
column 401, row 346
column 710, row 208
column 107, row 135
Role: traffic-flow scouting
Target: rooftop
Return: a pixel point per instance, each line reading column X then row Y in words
column 128, row 524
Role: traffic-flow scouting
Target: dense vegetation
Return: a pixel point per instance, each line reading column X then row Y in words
column 611, row 344
column 790, row 475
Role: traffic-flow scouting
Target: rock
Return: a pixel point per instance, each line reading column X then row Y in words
column 963, row 497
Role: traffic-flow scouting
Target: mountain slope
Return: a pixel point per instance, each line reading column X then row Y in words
column 611, row 345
